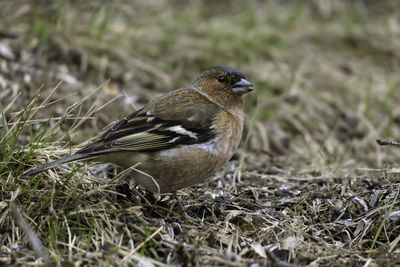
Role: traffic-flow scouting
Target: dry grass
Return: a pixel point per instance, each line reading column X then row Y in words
column 309, row 185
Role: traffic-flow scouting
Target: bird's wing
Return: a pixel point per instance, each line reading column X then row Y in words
column 151, row 130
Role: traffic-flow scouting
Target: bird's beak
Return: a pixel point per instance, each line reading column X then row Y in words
column 241, row 87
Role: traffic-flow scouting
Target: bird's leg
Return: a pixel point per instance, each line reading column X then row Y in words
column 181, row 208
column 177, row 201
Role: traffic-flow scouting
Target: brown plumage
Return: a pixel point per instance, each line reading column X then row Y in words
column 180, row 138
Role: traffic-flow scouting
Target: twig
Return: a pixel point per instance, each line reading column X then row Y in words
column 30, row 233
column 382, row 142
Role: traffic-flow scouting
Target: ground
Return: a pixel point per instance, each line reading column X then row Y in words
column 309, row 185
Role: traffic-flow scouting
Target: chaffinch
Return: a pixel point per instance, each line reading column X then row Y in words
column 180, row 138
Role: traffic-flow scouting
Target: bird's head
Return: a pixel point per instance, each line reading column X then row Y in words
column 223, row 85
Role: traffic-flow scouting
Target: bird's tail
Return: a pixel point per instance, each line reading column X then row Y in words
column 57, row 163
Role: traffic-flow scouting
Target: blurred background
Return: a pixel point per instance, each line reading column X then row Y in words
column 326, row 72
column 327, row 86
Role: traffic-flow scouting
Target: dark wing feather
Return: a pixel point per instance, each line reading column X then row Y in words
column 143, row 131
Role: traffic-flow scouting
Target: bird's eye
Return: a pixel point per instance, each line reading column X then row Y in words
column 221, row 79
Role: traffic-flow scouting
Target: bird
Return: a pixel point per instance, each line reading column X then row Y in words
column 179, row 139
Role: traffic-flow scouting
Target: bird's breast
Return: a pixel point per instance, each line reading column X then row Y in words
column 230, row 128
